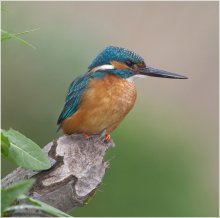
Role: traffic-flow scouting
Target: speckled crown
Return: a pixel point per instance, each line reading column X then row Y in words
column 113, row 53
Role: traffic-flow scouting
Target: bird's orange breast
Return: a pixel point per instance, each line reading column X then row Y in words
column 103, row 106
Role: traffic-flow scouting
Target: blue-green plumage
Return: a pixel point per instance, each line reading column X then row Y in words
column 113, row 53
column 76, row 89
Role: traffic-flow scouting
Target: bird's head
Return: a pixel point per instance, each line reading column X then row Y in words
column 125, row 64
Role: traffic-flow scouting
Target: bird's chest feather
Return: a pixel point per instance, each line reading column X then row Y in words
column 111, row 92
column 107, row 101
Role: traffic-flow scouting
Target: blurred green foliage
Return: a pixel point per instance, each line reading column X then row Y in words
column 165, row 162
column 6, row 36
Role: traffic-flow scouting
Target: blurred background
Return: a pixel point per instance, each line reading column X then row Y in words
column 165, row 162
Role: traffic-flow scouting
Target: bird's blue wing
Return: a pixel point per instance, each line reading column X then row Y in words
column 74, row 96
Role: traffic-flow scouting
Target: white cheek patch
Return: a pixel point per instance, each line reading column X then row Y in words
column 103, row 67
column 132, row 78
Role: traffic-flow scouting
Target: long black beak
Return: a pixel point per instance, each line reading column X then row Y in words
column 150, row 71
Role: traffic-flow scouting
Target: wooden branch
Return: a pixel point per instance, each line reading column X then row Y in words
column 77, row 170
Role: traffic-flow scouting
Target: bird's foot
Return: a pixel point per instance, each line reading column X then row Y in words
column 107, row 137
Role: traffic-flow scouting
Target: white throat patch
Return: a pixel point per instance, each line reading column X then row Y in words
column 103, row 67
column 132, row 78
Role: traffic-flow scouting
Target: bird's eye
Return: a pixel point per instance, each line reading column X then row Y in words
column 129, row 63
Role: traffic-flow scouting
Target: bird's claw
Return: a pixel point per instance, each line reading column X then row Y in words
column 107, row 137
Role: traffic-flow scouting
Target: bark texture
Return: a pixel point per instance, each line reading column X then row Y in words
column 78, row 168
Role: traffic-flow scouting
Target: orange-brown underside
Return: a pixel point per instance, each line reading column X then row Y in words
column 104, row 105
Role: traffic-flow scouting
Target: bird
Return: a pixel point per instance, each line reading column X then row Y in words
column 99, row 99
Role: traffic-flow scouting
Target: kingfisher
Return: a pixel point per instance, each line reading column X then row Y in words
column 100, row 99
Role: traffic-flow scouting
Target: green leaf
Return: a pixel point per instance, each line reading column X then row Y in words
column 37, row 205
column 5, row 144
column 18, row 207
column 6, row 36
column 44, row 207
column 25, row 152
column 27, row 206
column 11, row 193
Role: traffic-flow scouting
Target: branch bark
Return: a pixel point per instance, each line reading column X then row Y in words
column 77, row 170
